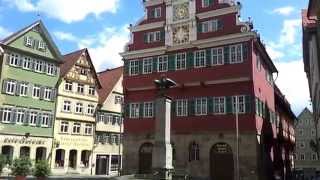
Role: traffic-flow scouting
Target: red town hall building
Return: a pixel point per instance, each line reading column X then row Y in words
column 214, row 58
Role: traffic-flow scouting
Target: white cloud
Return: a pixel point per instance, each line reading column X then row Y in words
column 104, row 48
column 289, row 31
column 273, row 53
column 4, row 32
column 293, row 83
column 67, row 11
column 286, row 11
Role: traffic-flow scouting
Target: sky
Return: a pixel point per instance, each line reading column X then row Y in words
column 102, row 27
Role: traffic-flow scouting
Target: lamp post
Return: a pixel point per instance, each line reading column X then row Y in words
column 237, row 139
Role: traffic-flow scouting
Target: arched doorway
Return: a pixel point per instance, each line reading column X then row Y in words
column 7, row 151
column 73, row 159
column 25, row 152
column 221, row 162
column 59, row 160
column 145, row 158
column 41, row 153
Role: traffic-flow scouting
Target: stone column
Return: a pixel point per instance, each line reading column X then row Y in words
column 162, row 150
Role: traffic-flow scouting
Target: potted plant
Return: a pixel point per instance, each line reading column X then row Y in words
column 21, row 167
column 41, row 170
column 3, row 162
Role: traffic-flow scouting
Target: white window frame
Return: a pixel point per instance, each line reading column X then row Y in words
column 24, row 89
column 118, row 99
column 147, row 65
column 64, row 125
column 79, row 108
column 66, row 106
column 157, row 12
column 200, row 57
column 11, row 87
column 90, row 109
column 36, row 91
column 29, row 41
column 219, row 105
column 181, row 61
column 205, row 3
column 88, row 129
column 47, row 94
column 27, row 61
column 7, row 115
column 148, row 109
column 162, row 63
column 41, row 45
column 92, row 90
column 218, row 54
column 234, row 55
column 201, row 106
column 134, row 110
column 14, row 59
column 76, row 128
column 67, row 85
column 153, row 37
column 242, row 109
column 209, row 26
column 38, row 65
column 133, row 67
column 20, row 116
column 33, row 118
column 80, row 88
column 45, row 120
column 182, row 107
column 50, row 69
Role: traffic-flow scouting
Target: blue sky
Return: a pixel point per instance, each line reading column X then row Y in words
column 101, row 26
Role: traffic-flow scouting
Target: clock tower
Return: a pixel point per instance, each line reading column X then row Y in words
column 180, row 22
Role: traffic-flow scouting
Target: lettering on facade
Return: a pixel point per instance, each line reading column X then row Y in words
column 24, row 141
column 68, row 141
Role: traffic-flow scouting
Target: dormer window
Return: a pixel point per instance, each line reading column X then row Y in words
column 206, row 3
column 151, row 37
column 29, row 41
column 155, row 13
column 42, row 45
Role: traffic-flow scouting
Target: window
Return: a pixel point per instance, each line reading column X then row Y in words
column 258, row 63
column 118, row 99
column 45, row 120
column 147, row 66
column 64, row 126
column 219, row 105
column 88, row 129
column 200, row 58
column 205, row 3
column 181, row 61
column 236, row 54
column 194, row 152
column 27, row 61
column 134, row 67
column 157, row 12
column 80, row 88
column 29, row 41
column 162, row 63
column 151, row 37
column 38, row 65
column 83, row 71
column 148, row 109
column 23, row 89
column 92, row 90
column 50, row 69
column 79, row 108
column 241, row 104
column 7, row 115
column 182, row 107
column 11, row 87
column 201, row 106
column 19, row 116
column 85, row 158
column 100, row 117
column 76, row 128
column 313, row 133
column 209, row 26
column 67, row 106
column 90, row 109
column 314, row 157
column 134, row 110
column 301, row 132
column 115, row 162
column 269, row 77
column 302, row 157
column 14, row 59
column 217, row 56
column 302, row 145
column 68, row 86
column 36, row 91
column 41, row 45
column 33, row 118
column 47, row 94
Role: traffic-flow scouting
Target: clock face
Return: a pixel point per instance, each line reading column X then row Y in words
column 181, row 11
column 181, row 34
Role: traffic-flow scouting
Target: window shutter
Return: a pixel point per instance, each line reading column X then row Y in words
column 13, row 116
column 41, row 92
column 140, row 67
column 50, row 120
column 210, row 2
column 220, row 24
column 173, row 109
column 210, row 105
column 199, row 27
column 30, row 89
column 226, row 55
column 155, row 64
column 44, row 67
column 20, row 61
column 141, row 110
column 18, row 86
column 32, row 64
column 8, row 59
column 191, row 107
column 245, row 51
column 54, row 94
column 152, row 12
column 208, row 57
column 248, row 102
column 229, row 104
column 190, row 60
column 26, row 117
column 1, row 114
column 15, row 86
column 38, row 121
column 145, row 37
column 4, row 86
column 126, row 67
column 162, row 35
column 172, row 62
column 34, row 43
column 127, row 111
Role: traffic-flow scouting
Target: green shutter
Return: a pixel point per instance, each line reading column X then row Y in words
column 38, row 121
column 13, row 116
column 210, row 105
column 190, row 59
column 245, row 51
column 208, row 57
column 155, row 64
column 127, row 111
column 152, row 12
column 257, row 106
column 172, row 62
column 126, row 67
column 210, row 2
column 199, row 27
column 140, row 66
column 220, row 24
column 248, row 104
column 226, row 55
column 229, row 104
column 162, row 35
column 145, row 38
column 141, row 110
column 173, row 108
column 191, row 107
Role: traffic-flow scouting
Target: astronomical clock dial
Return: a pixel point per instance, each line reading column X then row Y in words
column 181, row 11
column 181, row 34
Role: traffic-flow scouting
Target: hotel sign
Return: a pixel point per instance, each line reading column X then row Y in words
column 29, row 141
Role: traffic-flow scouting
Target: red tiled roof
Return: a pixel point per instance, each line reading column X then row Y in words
column 108, row 80
column 308, row 22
